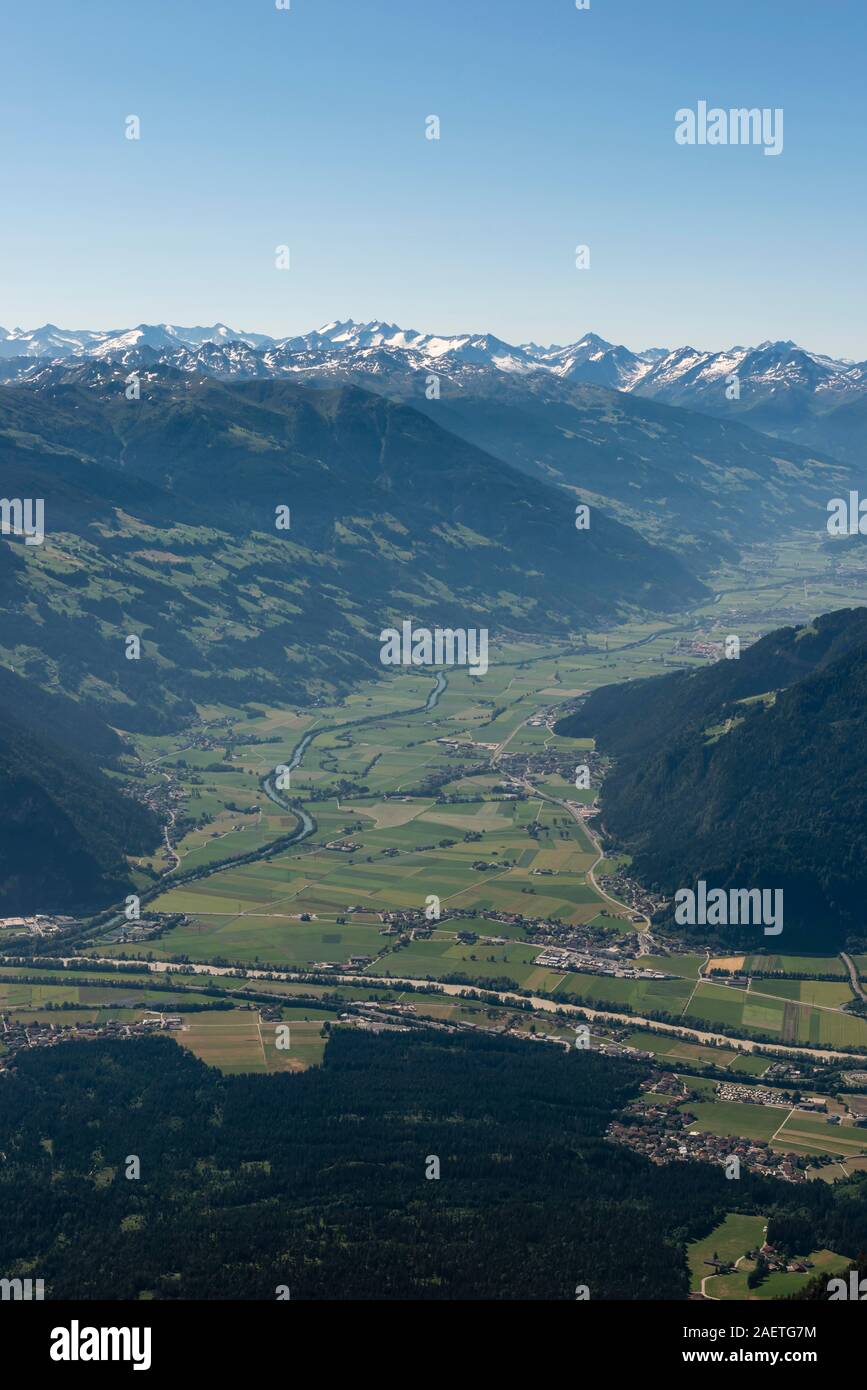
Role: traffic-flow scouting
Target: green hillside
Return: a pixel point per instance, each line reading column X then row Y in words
column 160, row 519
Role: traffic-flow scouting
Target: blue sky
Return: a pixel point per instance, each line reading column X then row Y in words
column 263, row 127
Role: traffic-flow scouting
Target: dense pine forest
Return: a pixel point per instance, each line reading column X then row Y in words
column 317, row 1182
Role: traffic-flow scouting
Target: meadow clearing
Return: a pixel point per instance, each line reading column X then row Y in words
column 730, row 1242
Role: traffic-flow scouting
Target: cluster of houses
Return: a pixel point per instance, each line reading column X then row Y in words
column 773, row 1260
column 544, row 762
column 711, row 651
column 642, row 902
column 166, row 798
column 20, row 1034
column 658, row 1133
column 665, row 1134
column 777, row 1261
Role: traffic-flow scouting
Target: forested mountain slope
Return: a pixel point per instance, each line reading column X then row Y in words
column 160, row 517
column 711, row 783
column 65, row 828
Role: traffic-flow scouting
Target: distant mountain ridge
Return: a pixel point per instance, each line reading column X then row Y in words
column 776, row 387
column 589, row 358
column 688, row 482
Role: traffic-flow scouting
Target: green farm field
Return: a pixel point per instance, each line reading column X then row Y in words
column 809, row 1134
column 731, row 1118
column 416, row 785
column 779, row 1284
column 477, row 851
column 678, row 1050
column 238, row 1041
column 758, row 1012
column 731, row 1239
column 795, row 965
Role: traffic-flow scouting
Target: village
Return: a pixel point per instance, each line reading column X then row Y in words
column 19, row 1034
column 640, row 900
column 660, row 1125
column 663, row 1133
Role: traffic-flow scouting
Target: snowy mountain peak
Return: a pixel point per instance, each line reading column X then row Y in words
column 377, row 351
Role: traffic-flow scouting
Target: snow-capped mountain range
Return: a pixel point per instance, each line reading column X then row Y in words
column 651, row 372
column 781, row 387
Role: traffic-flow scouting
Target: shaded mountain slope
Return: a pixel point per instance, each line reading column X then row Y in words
column 743, row 792
column 634, row 717
column 64, row 827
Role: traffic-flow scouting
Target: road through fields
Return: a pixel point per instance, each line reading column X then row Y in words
column 502, row 997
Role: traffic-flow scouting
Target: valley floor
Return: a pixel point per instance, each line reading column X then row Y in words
column 424, row 862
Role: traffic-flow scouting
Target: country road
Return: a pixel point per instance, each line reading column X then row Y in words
column 853, row 975
column 504, row 997
column 595, row 842
column 169, row 846
column 501, row 748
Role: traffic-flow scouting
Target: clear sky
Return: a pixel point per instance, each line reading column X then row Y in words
column 306, row 127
